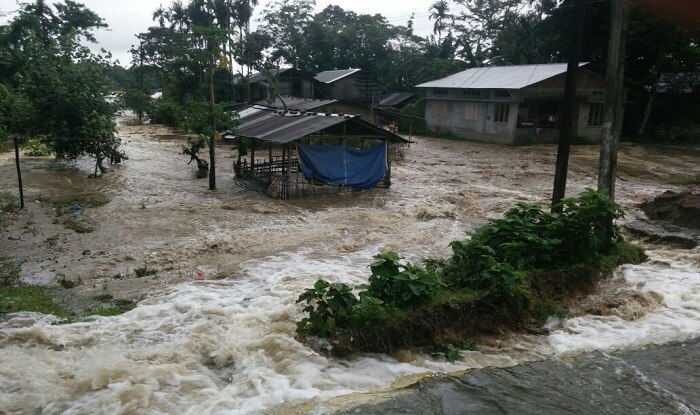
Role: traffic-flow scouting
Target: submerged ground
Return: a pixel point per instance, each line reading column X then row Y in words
column 227, row 343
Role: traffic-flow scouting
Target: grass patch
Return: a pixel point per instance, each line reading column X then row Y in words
column 117, row 307
column 31, row 298
column 90, row 200
column 9, row 272
column 66, row 283
column 80, row 225
column 9, row 204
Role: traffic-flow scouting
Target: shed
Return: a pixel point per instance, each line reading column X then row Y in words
column 510, row 104
column 346, row 84
column 297, row 153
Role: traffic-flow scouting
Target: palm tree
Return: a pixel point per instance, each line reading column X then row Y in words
column 161, row 15
column 439, row 11
column 178, row 15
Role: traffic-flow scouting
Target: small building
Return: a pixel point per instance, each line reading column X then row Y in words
column 511, row 104
column 289, row 154
column 346, row 84
column 289, row 81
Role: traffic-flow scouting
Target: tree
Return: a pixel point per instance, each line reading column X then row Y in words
column 439, row 11
column 62, row 84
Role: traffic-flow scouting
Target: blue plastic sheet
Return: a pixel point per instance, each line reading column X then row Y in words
column 342, row 165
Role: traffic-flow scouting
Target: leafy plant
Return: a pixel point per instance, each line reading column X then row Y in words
column 396, row 283
column 35, row 148
column 329, row 306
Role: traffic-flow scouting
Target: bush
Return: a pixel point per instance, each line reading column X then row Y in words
column 167, row 112
column 35, row 148
column 493, row 270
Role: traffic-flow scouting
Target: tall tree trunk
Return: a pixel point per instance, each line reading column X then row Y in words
column 212, row 143
column 19, row 173
column 568, row 116
column 647, row 111
column 614, row 104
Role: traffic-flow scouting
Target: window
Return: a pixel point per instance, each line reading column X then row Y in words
column 439, row 92
column 469, row 110
column 595, row 115
column 502, row 112
column 474, row 93
column 501, row 94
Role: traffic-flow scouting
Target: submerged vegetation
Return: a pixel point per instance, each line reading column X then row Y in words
column 512, row 273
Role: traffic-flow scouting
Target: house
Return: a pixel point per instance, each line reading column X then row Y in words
column 346, row 84
column 396, row 100
column 289, row 81
column 511, row 104
column 292, row 153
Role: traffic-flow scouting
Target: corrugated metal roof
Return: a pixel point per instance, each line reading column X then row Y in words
column 328, row 77
column 395, row 98
column 499, row 77
column 261, row 76
column 281, row 128
column 298, row 104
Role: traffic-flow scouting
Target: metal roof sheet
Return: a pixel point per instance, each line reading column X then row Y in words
column 299, row 104
column 328, row 77
column 278, row 127
column 395, row 98
column 499, row 77
column 261, row 76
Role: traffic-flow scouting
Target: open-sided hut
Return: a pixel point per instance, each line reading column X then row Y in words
column 289, row 154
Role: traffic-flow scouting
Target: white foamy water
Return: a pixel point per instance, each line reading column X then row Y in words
column 675, row 276
column 210, row 347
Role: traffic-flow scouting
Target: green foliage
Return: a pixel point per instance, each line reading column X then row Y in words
column 55, row 88
column 137, row 100
column 492, row 269
column 35, row 148
column 400, row 284
column 167, row 112
column 328, row 306
column 36, row 299
column 9, row 272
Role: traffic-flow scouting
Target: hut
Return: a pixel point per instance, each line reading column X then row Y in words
column 294, row 153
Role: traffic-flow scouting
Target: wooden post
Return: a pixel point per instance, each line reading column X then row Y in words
column 252, row 156
column 284, row 150
column 212, row 141
column 269, row 157
column 568, row 115
column 19, row 173
column 614, row 105
column 388, row 163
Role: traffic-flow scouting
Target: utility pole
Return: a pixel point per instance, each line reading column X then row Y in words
column 19, row 172
column 614, row 104
column 568, row 115
column 212, row 139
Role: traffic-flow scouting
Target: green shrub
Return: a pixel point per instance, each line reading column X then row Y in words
column 328, row 306
column 399, row 284
column 167, row 112
column 35, row 148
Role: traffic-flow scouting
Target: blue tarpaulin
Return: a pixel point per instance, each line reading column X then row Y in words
column 342, row 165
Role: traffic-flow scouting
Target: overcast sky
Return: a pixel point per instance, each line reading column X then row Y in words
column 129, row 17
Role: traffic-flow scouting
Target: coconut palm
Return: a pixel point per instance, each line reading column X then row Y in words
column 440, row 12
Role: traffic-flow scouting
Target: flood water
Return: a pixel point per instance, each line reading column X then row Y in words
column 226, row 345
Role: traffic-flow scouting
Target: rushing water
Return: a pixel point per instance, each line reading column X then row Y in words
column 227, row 345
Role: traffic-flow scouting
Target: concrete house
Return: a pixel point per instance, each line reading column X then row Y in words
column 510, row 104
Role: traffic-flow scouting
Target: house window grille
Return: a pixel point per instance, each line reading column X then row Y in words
column 595, row 115
column 442, row 92
column 502, row 113
column 471, row 93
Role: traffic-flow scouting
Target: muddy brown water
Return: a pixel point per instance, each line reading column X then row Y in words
column 226, row 345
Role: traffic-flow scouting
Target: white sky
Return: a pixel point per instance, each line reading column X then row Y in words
column 126, row 18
